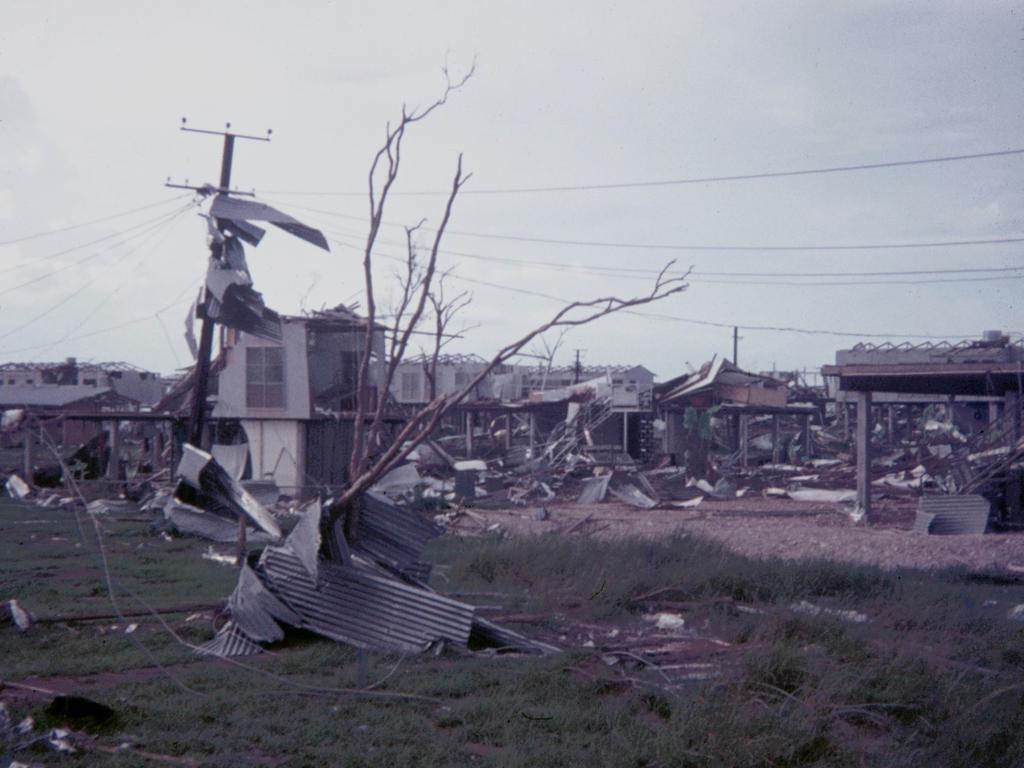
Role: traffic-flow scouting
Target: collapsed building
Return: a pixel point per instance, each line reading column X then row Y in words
column 986, row 463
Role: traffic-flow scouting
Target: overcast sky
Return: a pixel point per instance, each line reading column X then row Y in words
column 565, row 94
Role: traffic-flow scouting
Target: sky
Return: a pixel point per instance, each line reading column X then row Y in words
column 564, row 94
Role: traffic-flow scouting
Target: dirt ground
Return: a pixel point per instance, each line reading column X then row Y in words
column 766, row 528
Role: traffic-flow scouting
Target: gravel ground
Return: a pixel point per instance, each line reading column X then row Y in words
column 771, row 528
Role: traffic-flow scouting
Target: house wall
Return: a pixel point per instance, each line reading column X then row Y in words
column 141, row 386
column 277, row 451
column 231, row 389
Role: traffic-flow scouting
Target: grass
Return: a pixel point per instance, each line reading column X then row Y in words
column 936, row 676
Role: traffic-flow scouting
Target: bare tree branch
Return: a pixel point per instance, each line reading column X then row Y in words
column 383, row 173
column 422, row 294
column 422, row 424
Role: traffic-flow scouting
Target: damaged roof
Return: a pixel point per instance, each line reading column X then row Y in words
column 718, row 370
column 52, row 395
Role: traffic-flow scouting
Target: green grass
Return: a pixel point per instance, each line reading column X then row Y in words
column 936, row 677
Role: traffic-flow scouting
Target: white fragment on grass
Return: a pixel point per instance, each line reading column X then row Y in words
column 671, row 622
column 17, row 488
column 130, row 628
column 1016, row 613
column 22, row 619
column 58, row 741
column 217, row 557
column 854, row 617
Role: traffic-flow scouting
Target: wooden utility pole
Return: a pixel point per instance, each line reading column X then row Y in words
column 200, row 385
column 736, row 346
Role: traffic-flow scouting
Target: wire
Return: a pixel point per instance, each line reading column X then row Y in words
column 128, row 275
column 696, row 276
column 70, row 227
column 692, row 180
column 691, row 246
column 135, row 321
column 33, row 262
column 84, row 286
column 696, row 321
column 161, row 220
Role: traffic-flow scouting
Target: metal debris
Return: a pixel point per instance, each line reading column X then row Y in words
column 205, row 484
column 595, row 489
column 394, row 536
column 254, row 609
column 953, row 515
column 239, row 212
column 229, row 641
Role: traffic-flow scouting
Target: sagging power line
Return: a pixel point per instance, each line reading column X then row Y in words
column 683, row 181
column 709, row 247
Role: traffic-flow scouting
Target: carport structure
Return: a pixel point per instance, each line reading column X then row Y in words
column 992, row 366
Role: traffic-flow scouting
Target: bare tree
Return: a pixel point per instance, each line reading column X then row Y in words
column 420, row 297
column 444, row 311
column 547, row 355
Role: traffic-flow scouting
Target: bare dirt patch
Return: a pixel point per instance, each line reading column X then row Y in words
column 766, row 528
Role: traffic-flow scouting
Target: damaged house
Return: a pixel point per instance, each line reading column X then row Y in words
column 283, row 410
column 720, row 406
column 126, row 381
column 983, row 466
column 562, row 413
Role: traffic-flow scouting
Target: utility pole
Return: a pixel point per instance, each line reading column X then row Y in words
column 202, row 371
column 735, row 345
column 578, row 369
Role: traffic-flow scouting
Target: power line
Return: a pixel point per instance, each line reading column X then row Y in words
column 111, row 217
column 698, row 247
column 135, row 321
column 748, row 248
column 682, row 181
column 696, row 276
column 159, row 221
column 695, row 321
column 87, row 284
column 128, row 275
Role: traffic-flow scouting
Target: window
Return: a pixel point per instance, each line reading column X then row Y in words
column 264, row 377
column 410, row 386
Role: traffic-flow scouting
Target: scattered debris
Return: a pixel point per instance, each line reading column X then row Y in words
column 953, row 515
column 17, row 488
column 854, row 617
column 21, row 618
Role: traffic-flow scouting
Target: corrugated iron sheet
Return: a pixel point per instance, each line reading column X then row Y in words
column 392, row 535
column 594, row 489
column 192, row 521
column 253, row 609
column 954, row 515
column 205, row 484
column 230, row 641
column 365, row 610
column 236, row 209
